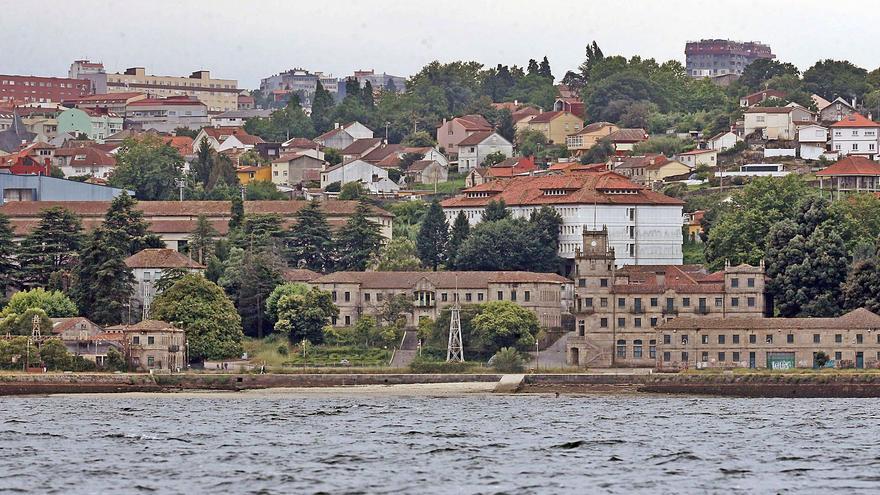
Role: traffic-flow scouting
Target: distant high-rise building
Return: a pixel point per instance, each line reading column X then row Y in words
column 711, row 58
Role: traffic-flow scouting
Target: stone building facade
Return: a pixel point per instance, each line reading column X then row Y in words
column 848, row 341
column 153, row 345
column 617, row 310
column 364, row 293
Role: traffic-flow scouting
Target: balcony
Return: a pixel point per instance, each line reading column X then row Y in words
column 670, row 310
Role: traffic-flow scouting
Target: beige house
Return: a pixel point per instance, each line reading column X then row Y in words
column 776, row 123
column 148, row 266
column 698, row 158
column 556, row 126
column 617, row 310
column 848, row 341
column 364, row 293
column 290, row 168
column 581, row 141
column 454, row 131
column 83, row 337
column 647, row 169
column 220, row 95
column 153, row 345
column 427, row 172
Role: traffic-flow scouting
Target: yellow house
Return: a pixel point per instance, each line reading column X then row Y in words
column 253, row 173
column 556, row 126
column 579, row 142
column 660, row 171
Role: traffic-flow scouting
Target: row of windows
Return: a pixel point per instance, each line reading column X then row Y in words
column 751, row 301
column 768, row 338
column 855, row 133
column 855, row 147
column 41, row 84
column 637, row 349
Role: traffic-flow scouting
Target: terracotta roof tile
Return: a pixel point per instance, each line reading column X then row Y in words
column 852, row 165
column 860, row 318
column 361, row 146
column 855, row 120
column 161, row 258
column 476, row 138
column 627, row 135
column 443, row 280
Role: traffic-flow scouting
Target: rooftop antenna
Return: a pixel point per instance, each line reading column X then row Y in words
column 455, row 349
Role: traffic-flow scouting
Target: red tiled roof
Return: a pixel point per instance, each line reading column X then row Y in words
column 301, row 143
column 360, row 146
column 645, row 161
column 545, row 117
column 698, row 152
column 216, row 132
column 852, row 165
column 441, row 280
column 580, row 188
column 476, row 138
column 769, row 110
column 855, row 120
column 108, row 97
column 474, row 122
column 183, row 144
column 594, row 127
column 382, row 152
column 298, row 275
column 160, row 258
column 170, row 101
column 627, row 135
column 91, row 157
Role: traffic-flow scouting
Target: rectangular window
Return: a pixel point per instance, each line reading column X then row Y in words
column 735, row 357
column 838, row 356
column 603, row 322
column 637, row 349
column 513, row 295
column 588, row 302
column 753, row 339
column 667, row 356
column 653, row 302
column 380, row 296
column 704, row 339
column 789, row 339
column 347, row 320
column 769, row 338
column 621, row 348
column 347, row 296
column 667, row 339
column 652, row 349
column 151, row 361
column 721, row 339
column 654, row 321
column 637, row 322
column 621, row 323
column 366, row 297
column 734, row 282
column 603, row 282
column 859, row 339
column 750, row 301
column 734, row 302
column 817, row 338
column 621, row 302
column 684, row 340
column 750, row 281
column 686, row 301
column 684, row 357
column 151, row 340
column 603, row 302
column 582, row 328
column 721, row 357
column 735, row 338
column 467, row 296
column 582, row 282
column 500, row 295
column 838, row 338
column 136, row 340
column 444, row 297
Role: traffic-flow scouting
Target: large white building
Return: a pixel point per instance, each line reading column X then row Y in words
column 644, row 227
column 855, row 135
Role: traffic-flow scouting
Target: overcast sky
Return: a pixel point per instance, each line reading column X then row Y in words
column 248, row 40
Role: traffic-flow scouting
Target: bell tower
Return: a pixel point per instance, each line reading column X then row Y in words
column 595, row 246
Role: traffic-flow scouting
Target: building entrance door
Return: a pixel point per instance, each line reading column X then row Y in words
column 751, row 360
column 860, row 360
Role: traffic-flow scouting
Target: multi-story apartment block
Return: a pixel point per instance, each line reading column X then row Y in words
column 365, row 293
column 381, row 81
column 35, row 89
column 708, row 58
column 299, row 81
column 644, row 226
column 167, row 114
column 220, row 95
column 617, row 310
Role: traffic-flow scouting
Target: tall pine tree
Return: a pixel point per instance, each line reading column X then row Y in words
column 103, row 283
column 496, row 210
column 51, row 248
column 322, row 109
column 461, row 229
column 8, row 263
column 201, row 241
column 358, row 242
column 309, row 242
column 433, row 236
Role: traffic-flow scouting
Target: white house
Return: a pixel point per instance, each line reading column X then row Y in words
column 368, row 174
column 473, row 149
column 341, row 136
column 216, row 136
column 855, row 135
column 775, row 123
column 812, row 140
column 644, row 227
column 239, row 142
column 429, row 153
column 697, row 158
column 237, row 118
column 723, row 141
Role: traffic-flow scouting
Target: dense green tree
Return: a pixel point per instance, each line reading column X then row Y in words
column 148, row 166
column 399, row 255
column 505, row 126
column 213, row 327
column 169, row 277
column 358, row 241
column 186, row 132
column 664, row 145
column 544, row 69
column 598, row 153
column 283, row 124
column 532, row 67
column 832, row 78
column 51, row 247
column 395, row 309
column 8, row 261
column 739, row 235
column 260, row 230
column 508, row 244
column 303, row 316
column 594, row 55
column 419, row 139
column 461, row 229
column 309, row 242
column 862, row 287
column 201, row 167
column 806, row 262
column 124, row 217
column 408, row 159
column 53, row 302
column 236, row 218
column 546, row 223
column 23, row 323
column 503, row 324
column 322, row 109
column 54, row 355
column 531, row 142
column 352, row 191
column 496, row 210
column 103, row 283
column 223, row 174
column 332, row 156
column 263, row 190
column 433, row 236
column 757, row 73
column 16, row 352
column 249, row 277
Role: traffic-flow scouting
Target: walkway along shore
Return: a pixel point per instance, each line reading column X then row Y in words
column 842, row 384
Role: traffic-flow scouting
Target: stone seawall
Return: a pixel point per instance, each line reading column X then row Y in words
column 55, row 383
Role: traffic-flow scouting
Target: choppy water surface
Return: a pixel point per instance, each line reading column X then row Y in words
column 469, row 444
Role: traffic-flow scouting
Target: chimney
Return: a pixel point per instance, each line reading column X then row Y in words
column 854, row 102
column 336, row 125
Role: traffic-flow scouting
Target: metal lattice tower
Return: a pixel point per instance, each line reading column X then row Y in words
column 35, row 329
column 455, row 349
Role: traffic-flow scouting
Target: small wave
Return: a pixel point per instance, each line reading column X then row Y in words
column 570, row 445
column 614, row 458
column 734, row 471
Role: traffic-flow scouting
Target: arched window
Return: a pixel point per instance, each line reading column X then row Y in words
column 621, row 348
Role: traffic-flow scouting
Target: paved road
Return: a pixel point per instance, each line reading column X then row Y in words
column 553, row 356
